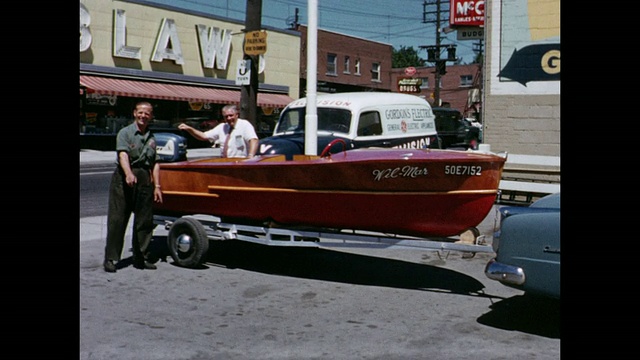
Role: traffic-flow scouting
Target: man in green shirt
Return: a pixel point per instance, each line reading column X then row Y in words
column 134, row 187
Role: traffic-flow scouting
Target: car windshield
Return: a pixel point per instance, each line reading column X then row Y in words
column 332, row 120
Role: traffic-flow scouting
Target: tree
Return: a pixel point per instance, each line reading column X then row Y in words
column 406, row 56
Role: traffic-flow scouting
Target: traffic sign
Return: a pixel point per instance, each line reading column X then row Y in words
column 255, row 42
column 243, row 72
column 410, row 71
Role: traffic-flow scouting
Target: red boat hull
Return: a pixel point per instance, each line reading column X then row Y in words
column 399, row 191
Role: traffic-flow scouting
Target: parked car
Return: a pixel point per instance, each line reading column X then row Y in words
column 527, row 247
column 171, row 147
column 355, row 120
column 454, row 131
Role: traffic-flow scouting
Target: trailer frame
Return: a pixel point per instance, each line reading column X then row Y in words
column 189, row 236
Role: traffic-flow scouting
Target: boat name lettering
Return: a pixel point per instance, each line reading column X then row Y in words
column 405, row 171
column 463, row 170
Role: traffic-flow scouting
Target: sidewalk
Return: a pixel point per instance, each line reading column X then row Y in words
column 104, row 157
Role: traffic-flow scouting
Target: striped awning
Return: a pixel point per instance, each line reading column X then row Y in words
column 157, row 90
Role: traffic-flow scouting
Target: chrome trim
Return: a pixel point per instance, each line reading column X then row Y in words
column 504, row 273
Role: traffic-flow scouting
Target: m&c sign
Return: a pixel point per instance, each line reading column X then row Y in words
column 466, row 13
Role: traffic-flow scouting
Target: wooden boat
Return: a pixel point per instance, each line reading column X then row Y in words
column 416, row 192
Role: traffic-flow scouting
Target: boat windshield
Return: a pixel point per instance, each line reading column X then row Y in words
column 332, row 120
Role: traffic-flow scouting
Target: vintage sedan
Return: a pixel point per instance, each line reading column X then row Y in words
column 527, row 246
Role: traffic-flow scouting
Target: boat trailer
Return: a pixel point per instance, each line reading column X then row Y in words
column 189, row 236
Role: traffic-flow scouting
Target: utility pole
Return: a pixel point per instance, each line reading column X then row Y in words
column 434, row 51
column 249, row 93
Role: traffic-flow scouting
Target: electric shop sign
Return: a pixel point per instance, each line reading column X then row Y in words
column 215, row 43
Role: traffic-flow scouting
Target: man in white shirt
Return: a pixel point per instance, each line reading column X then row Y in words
column 237, row 136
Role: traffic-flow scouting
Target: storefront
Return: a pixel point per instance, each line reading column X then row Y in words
column 185, row 63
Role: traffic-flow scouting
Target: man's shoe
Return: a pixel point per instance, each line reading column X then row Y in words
column 109, row 266
column 145, row 265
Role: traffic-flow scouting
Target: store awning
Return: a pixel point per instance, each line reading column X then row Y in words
column 157, row 90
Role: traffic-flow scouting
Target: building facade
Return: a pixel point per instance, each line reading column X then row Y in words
column 459, row 86
column 347, row 63
column 187, row 64
column 521, row 109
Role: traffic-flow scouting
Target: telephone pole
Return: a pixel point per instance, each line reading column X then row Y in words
column 249, row 93
column 434, row 51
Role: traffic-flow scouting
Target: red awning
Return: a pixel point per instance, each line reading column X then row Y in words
column 156, row 90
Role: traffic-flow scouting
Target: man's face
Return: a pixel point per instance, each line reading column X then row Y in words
column 143, row 114
column 230, row 117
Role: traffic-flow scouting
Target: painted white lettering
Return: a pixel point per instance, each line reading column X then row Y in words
column 405, row 171
column 463, row 170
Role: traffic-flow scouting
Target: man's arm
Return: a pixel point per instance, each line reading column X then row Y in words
column 194, row 132
column 123, row 158
column 253, row 147
column 157, row 191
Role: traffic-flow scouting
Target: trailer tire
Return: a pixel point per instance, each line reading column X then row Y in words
column 187, row 242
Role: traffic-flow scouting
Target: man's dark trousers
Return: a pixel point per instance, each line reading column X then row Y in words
column 124, row 200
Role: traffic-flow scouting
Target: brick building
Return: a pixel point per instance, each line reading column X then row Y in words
column 347, row 63
column 459, row 87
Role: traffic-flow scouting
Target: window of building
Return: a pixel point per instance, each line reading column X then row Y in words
column 357, row 67
column 375, row 72
column 425, row 83
column 331, row 64
column 347, row 69
column 466, row 80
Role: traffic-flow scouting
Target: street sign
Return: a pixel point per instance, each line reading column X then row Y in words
column 410, row 71
column 470, row 33
column 243, row 72
column 255, row 42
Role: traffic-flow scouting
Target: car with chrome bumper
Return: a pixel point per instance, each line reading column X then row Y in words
column 527, row 247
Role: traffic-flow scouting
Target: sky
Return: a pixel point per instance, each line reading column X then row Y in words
column 398, row 22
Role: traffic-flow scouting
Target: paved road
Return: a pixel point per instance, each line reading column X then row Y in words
column 251, row 301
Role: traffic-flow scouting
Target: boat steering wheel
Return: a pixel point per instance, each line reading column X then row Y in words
column 326, row 152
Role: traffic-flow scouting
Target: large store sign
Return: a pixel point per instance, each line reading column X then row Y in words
column 215, row 43
column 466, row 13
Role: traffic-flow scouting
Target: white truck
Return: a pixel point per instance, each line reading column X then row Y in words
column 360, row 119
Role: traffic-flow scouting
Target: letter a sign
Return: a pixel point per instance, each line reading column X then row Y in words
column 243, row 73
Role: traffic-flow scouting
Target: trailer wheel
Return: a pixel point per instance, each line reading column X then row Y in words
column 187, row 242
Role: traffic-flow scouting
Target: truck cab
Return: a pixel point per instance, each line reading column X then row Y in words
column 360, row 119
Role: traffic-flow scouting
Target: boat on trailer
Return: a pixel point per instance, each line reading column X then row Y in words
column 409, row 192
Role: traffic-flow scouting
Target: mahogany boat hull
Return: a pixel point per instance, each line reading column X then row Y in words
column 418, row 192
